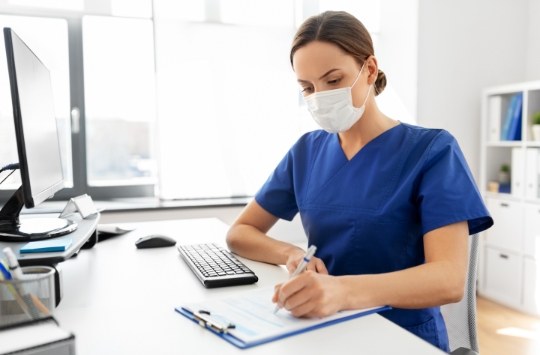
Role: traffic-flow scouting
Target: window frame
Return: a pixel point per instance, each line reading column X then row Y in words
column 77, row 100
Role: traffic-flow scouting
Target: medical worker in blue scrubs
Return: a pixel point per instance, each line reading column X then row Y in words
column 390, row 206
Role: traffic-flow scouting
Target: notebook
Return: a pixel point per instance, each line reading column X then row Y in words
column 45, row 246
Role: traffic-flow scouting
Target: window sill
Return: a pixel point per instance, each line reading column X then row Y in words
column 142, row 204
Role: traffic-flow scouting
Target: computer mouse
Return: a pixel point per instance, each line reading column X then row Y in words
column 155, row 241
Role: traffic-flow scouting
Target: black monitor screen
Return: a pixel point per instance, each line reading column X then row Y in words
column 35, row 122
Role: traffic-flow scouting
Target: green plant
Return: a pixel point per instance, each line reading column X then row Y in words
column 505, row 168
column 536, row 118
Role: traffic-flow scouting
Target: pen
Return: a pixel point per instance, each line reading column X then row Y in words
column 302, row 266
column 17, row 274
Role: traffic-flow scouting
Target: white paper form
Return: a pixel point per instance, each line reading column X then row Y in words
column 252, row 313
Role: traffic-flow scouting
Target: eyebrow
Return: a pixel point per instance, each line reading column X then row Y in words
column 325, row 74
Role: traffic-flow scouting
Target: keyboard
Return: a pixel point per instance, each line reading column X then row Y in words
column 216, row 266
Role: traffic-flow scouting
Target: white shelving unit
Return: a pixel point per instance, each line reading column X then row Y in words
column 509, row 267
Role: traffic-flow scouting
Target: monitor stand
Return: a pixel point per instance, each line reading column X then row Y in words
column 14, row 230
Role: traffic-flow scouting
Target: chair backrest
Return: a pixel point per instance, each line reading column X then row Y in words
column 460, row 317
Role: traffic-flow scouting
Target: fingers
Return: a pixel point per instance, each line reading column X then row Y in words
column 277, row 288
column 312, row 265
column 293, row 286
column 304, row 310
column 292, row 267
column 298, row 300
column 316, row 265
column 320, row 267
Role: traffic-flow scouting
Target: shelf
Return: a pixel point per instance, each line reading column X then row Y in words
column 510, row 197
column 502, row 196
column 505, row 144
column 512, row 144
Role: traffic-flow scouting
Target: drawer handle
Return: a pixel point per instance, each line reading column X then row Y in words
column 504, row 256
column 506, row 205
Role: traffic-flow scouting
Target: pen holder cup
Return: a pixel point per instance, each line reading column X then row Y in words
column 27, row 299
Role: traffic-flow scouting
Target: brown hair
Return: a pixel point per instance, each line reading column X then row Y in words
column 343, row 30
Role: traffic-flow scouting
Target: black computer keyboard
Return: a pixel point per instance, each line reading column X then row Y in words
column 216, row 266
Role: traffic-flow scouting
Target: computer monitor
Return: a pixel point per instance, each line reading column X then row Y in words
column 37, row 144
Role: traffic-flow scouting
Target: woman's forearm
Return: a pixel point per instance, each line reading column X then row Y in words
column 427, row 285
column 251, row 243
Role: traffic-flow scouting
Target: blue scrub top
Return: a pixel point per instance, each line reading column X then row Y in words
column 369, row 215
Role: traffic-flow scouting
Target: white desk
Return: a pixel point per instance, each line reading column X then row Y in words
column 120, row 300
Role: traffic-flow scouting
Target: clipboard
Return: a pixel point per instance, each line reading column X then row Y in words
column 221, row 329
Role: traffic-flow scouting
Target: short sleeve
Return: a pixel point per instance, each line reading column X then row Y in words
column 277, row 195
column 447, row 192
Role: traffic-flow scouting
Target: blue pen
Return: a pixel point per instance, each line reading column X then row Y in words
column 4, row 270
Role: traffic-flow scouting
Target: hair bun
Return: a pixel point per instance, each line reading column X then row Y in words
column 380, row 83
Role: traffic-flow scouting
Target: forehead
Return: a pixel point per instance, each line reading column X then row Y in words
column 316, row 58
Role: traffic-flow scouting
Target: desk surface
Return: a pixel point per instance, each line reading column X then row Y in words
column 120, row 300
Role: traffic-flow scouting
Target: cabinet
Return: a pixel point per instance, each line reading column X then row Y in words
column 531, row 246
column 531, row 286
column 504, row 279
column 510, row 250
column 507, row 231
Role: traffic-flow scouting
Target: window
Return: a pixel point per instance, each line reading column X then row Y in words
column 105, row 108
column 192, row 99
column 119, row 91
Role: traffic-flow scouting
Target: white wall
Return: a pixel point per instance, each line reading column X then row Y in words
column 396, row 50
column 464, row 46
column 533, row 41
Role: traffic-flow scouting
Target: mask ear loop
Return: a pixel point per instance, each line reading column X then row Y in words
column 369, row 90
column 355, row 80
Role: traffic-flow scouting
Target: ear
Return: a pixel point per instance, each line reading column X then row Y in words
column 372, row 69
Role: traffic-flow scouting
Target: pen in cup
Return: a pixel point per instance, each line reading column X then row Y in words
column 6, row 275
column 33, row 303
column 302, row 266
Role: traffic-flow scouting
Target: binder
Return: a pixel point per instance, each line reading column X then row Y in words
column 531, row 175
column 514, row 132
column 225, row 327
column 517, row 179
column 494, row 118
column 508, row 119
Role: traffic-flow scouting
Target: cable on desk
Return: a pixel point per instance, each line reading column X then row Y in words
column 11, row 167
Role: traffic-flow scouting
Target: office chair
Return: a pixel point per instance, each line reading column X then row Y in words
column 460, row 317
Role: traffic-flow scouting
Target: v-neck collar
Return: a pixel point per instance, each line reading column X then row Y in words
column 336, row 141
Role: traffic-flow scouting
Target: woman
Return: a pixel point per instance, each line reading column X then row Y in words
column 390, row 206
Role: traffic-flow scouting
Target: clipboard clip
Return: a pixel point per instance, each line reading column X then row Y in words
column 205, row 320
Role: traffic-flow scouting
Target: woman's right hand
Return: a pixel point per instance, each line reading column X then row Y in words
column 315, row 264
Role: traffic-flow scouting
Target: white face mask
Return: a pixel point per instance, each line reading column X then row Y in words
column 333, row 110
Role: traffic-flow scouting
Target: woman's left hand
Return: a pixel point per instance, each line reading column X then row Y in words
column 311, row 295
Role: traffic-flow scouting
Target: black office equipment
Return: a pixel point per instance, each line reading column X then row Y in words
column 37, row 145
column 216, row 266
column 155, row 241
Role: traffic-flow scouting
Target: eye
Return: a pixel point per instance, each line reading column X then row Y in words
column 307, row 89
column 333, row 82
